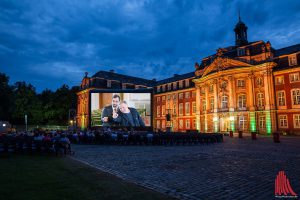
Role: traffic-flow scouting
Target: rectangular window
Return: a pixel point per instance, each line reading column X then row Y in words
column 180, row 95
column 296, row 121
column 242, row 101
column 187, row 108
column 168, row 97
column 169, row 86
column 293, row 60
column 164, row 88
column 174, row 96
column 296, row 96
column 158, row 88
column 281, row 98
column 158, row 124
column 224, row 101
column 242, row 123
column 204, row 105
column 211, row 104
column 187, row 124
column 180, row 84
column 194, row 107
column 241, row 83
column 163, row 110
column 158, row 99
column 211, row 88
column 279, row 80
column 294, row 77
column 194, row 123
column 163, row 124
column 163, row 98
column 187, row 83
column 262, row 122
column 181, row 124
column 175, row 86
column 240, row 52
column 283, row 121
column 174, row 109
column 193, row 94
column 181, row 109
column 158, row 111
column 260, row 100
column 187, row 95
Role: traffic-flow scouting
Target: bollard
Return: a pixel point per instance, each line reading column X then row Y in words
column 276, row 137
column 253, row 135
column 231, row 133
column 240, row 134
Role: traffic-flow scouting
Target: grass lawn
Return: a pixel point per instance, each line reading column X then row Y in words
column 37, row 177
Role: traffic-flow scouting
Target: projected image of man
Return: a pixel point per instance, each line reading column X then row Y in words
column 110, row 112
column 129, row 116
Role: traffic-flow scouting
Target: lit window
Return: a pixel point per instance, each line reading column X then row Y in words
column 168, row 97
column 163, row 98
column 187, row 95
column 187, row 124
column 279, row 80
column 260, row 100
column 241, row 83
column 283, row 121
column 158, row 111
column 262, row 122
column 187, row 108
column 180, row 95
column 158, row 99
column 292, row 60
column 224, row 101
column 242, row 101
column 174, row 109
column 194, row 107
column 158, row 124
column 296, row 121
column 181, row 109
column 174, row 96
column 294, row 77
column 242, row 123
column 163, row 110
column 296, row 96
column 281, row 98
column 194, row 123
column 163, row 124
column 181, row 124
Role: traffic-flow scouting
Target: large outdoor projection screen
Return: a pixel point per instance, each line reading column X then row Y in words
column 141, row 102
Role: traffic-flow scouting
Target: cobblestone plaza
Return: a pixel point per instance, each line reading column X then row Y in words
column 235, row 169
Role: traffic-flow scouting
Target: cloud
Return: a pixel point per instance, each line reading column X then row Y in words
column 59, row 40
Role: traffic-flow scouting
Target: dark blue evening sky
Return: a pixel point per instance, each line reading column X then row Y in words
column 51, row 42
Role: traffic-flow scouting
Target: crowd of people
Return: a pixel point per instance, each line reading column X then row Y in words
column 59, row 142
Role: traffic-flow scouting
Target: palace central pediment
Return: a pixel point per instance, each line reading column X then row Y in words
column 220, row 64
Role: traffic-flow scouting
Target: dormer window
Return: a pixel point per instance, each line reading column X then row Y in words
column 293, row 60
column 240, row 52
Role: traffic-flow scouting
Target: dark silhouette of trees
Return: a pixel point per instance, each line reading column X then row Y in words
column 48, row 107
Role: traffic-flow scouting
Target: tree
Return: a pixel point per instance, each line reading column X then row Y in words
column 6, row 97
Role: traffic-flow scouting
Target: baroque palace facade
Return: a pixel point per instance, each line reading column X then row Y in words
column 248, row 87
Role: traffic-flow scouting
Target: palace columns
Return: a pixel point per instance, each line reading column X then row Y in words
column 198, row 105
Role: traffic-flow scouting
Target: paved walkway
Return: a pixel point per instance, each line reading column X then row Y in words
column 235, row 169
